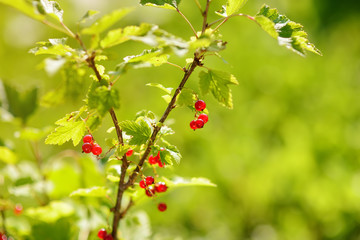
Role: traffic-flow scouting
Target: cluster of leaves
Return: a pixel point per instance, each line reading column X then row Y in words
column 146, row 133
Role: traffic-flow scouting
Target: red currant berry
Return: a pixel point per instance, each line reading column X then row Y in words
column 149, row 180
column 150, row 191
column 200, row 123
column 162, row 207
column 200, row 105
column 108, row 237
column 152, row 160
column 161, row 164
column 160, row 187
column 102, row 233
column 129, row 152
column 204, row 117
column 142, row 184
column 88, row 138
column 87, row 147
column 193, row 124
column 96, row 150
column 18, row 209
column 3, row 237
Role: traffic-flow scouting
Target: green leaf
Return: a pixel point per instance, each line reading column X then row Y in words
column 160, row 86
column 69, row 129
column 25, row 7
column 140, row 131
column 122, row 35
column 20, row 104
column 186, row 97
column 102, row 98
column 91, row 192
column 50, row 8
column 51, row 212
column 172, row 153
column 106, row 21
column 183, row 182
column 88, row 16
column 217, row 82
column 288, row 33
column 7, row 156
column 55, row 46
column 165, row 131
column 170, row 4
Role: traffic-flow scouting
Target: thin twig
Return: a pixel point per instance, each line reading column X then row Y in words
column 175, row 65
column 68, row 30
column 199, row 6
column 122, row 214
column 205, row 15
column 217, row 27
column 192, row 28
column 233, row 15
column 50, row 24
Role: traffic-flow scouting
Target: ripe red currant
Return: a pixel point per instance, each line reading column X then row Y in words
column 87, row 147
column 193, row 124
column 200, row 105
column 152, row 160
column 142, row 184
column 96, row 149
column 161, row 164
column 199, row 123
column 18, row 209
column 204, row 117
column 160, row 187
column 162, row 207
column 149, row 180
column 88, row 138
column 129, row 152
column 108, row 237
column 150, row 191
column 102, row 233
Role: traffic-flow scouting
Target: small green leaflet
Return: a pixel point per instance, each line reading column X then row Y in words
column 186, row 98
column 88, row 16
column 55, row 46
column 102, row 98
column 106, row 21
column 183, row 182
column 50, row 8
column 140, row 131
column 218, row 83
column 231, row 7
column 25, row 7
column 288, row 33
column 169, row 4
column 160, row 86
column 90, row 192
column 121, row 35
column 70, row 128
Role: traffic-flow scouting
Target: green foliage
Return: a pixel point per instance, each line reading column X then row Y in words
column 231, row 7
column 217, row 82
column 106, row 22
column 90, row 192
column 50, row 8
column 186, row 98
column 7, row 156
column 70, row 128
column 52, row 212
column 160, row 86
column 183, row 182
column 102, row 98
column 139, row 130
column 25, row 7
column 171, row 4
column 288, row 33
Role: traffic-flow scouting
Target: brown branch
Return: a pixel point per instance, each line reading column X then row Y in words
column 196, row 62
column 205, row 15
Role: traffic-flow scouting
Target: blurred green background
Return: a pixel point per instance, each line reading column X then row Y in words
column 286, row 159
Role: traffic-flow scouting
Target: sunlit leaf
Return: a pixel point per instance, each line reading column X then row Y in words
column 50, row 8
column 183, row 182
column 88, row 15
column 91, row 192
column 140, row 131
column 51, row 212
column 102, row 98
column 7, row 156
column 170, row 4
column 24, row 6
column 288, row 33
column 186, row 97
column 231, row 7
column 106, row 21
column 160, row 86
column 217, row 82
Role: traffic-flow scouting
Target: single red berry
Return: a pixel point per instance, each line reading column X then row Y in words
column 162, row 207
column 200, row 123
column 149, row 180
column 200, row 105
column 161, row 164
column 102, row 233
column 193, row 124
column 88, row 138
column 129, row 152
column 87, row 147
column 142, row 184
column 3, row 237
column 150, row 191
column 96, row 150
column 108, row 237
column 160, row 187
column 204, row 117
column 18, row 209
column 152, row 160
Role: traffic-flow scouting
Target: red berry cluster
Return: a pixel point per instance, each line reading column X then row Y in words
column 90, row 146
column 200, row 105
column 151, row 188
column 156, row 160
column 102, row 234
